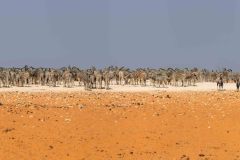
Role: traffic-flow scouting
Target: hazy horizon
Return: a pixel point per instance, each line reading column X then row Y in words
column 133, row 33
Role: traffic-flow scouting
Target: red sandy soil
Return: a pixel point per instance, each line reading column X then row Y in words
column 131, row 126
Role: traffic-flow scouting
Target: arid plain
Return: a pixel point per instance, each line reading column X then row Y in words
column 54, row 124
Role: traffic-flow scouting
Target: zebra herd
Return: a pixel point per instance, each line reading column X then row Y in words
column 94, row 78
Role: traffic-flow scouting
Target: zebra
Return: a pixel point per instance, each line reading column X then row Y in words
column 237, row 84
column 220, row 83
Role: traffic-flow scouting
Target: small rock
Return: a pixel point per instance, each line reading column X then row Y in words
column 201, row 155
column 8, row 130
column 184, row 157
column 68, row 119
column 168, row 96
column 81, row 106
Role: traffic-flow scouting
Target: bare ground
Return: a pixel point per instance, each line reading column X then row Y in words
column 123, row 88
column 120, row 125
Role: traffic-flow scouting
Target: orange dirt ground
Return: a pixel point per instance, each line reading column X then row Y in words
column 131, row 126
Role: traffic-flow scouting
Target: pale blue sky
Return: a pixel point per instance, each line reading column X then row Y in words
column 134, row 33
